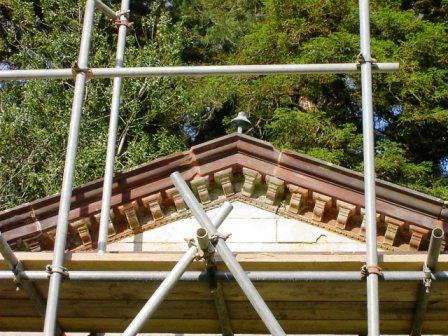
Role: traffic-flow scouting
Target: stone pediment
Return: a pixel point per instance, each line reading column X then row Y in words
column 241, row 169
column 252, row 229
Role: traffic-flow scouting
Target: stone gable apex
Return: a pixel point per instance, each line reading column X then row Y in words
column 235, row 167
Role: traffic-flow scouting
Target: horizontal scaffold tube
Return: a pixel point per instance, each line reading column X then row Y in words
column 105, row 9
column 257, row 276
column 210, row 70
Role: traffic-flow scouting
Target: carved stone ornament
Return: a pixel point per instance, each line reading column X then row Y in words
column 177, row 199
column 200, row 185
column 299, row 197
column 224, row 178
column 251, row 178
column 321, row 204
column 276, row 189
column 82, row 226
column 154, row 204
column 129, row 210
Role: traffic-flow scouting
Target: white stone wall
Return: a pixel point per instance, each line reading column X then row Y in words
column 252, row 229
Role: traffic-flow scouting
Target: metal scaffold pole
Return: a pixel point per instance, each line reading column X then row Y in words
column 200, row 70
column 168, row 283
column 255, row 276
column 17, row 270
column 369, row 171
column 57, row 269
column 429, row 267
column 113, row 124
column 234, row 267
column 105, row 9
column 365, row 65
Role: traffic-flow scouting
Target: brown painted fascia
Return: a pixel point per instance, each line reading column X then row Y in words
column 342, row 177
column 231, row 150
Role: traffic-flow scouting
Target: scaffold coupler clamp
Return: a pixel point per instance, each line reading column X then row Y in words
column 367, row 270
column 215, row 238
column 206, row 247
column 361, row 59
column 17, row 271
column 427, row 278
column 121, row 22
column 61, row 270
column 77, row 70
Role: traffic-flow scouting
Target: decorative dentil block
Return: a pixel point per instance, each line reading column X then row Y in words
column 251, row 178
column 82, row 226
column 224, row 177
column 362, row 232
column 393, row 226
column 345, row 213
column 417, row 237
column 177, row 199
column 31, row 244
column 129, row 210
column 321, row 204
column 200, row 185
column 110, row 227
column 299, row 196
column 154, row 204
column 276, row 189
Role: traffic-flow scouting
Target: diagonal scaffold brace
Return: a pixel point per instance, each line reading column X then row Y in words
column 366, row 66
column 226, row 255
column 173, row 277
column 17, row 268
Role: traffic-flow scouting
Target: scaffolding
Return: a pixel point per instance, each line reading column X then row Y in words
column 209, row 241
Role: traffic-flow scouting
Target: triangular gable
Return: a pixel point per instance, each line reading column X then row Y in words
column 234, row 167
column 252, row 230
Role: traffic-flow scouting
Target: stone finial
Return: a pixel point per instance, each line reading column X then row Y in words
column 82, row 226
column 345, row 213
column 321, row 204
column 177, row 199
column 299, row 196
column 154, row 204
column 129, row 210
column 417, row 237
column 276, row 189
column 393, row 226
column 251, row 178
column 110, row 227
column 224, row 177
column 200, row 185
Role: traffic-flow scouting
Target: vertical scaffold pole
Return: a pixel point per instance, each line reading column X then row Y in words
column 369, row 169
column 430, row 265
column 57, row 269
column 113, row 124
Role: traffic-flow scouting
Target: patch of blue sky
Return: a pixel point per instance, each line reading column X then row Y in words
column 188, row 129
column 380, row 123
column 349, row 83
column 443, row 165
column 396, row 109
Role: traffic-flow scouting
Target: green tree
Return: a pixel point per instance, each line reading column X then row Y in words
column 317, row 115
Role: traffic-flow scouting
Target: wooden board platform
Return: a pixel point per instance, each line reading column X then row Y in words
column 306, row 307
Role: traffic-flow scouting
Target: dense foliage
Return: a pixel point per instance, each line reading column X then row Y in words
column 317, row 115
